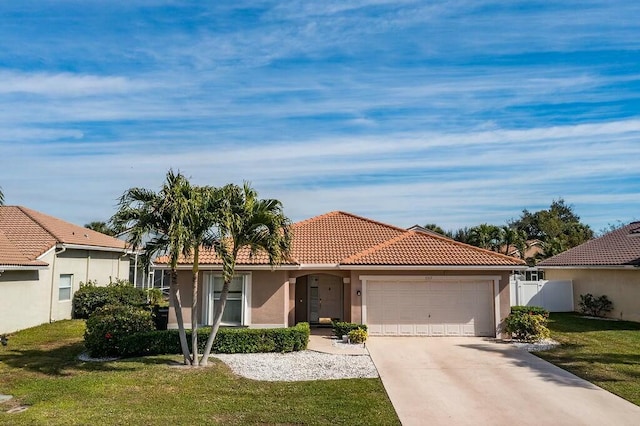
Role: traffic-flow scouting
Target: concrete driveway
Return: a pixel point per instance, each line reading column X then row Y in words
column 465, row 381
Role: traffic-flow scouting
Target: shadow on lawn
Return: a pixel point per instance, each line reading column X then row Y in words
column 574, row 323
column 56, row 361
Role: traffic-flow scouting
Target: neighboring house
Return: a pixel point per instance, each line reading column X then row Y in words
column 349, row 268
column 42, row 262
column 532, row 251
column 428, row 231
column 608, row 265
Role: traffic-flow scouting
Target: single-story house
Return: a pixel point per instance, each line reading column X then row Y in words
column 350, row 268
column 609, row 265
column 42, row 262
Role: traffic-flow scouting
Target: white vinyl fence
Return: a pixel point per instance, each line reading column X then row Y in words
column 554, row 296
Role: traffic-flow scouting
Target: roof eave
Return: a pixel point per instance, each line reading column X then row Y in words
column 630, row 267
column 123, row 250
column 4, row 268
column 437, row 267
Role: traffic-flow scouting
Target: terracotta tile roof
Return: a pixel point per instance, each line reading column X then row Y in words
column 617, row 248
column 416, row 248
column 343, row 238
column 26, row 234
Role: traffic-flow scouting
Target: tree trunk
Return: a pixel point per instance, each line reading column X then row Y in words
column 217, row 319
column 177, row 306
column 194, row 307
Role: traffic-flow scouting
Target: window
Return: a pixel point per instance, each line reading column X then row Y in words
column 64, row 287
column 236, row 308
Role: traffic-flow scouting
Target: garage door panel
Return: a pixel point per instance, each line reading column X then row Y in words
column 430, row 308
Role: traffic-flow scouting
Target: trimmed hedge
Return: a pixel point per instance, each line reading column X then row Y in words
column 110, row 325
column 344, row 328
column 228, row 340
column 91, row 297
column 531, row 310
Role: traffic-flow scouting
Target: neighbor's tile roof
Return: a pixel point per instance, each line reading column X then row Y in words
column 617, row 248
column 26, row 234
column 343, row 238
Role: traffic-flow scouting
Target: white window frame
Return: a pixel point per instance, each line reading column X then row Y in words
column 208, row 303
column 61, row 287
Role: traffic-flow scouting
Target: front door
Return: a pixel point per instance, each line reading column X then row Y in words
column 325, row 298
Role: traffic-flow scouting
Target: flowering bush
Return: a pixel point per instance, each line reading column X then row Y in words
column 358, row 335
column 528, row 323
column 108, row 325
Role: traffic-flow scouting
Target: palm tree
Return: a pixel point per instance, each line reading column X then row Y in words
column 101, row 227
column 485, row 236
column 161, row 216
column 202, row 217
column 245, row 221
column 513, row 238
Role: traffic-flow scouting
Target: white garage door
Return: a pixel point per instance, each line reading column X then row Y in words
column 420, row 308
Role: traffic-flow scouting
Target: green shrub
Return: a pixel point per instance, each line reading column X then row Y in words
column 343, row 328
column 358, row 335
column 228, row 340
column 155, row 297
column 528, row 323
column 595, row 306
column 91, row 297
column 531, row 310
column 109, row 325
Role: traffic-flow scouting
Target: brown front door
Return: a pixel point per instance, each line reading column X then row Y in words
column 325, row 298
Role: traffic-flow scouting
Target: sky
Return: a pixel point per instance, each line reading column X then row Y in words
column 408, row 112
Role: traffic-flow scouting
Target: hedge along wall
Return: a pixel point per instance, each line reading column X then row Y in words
column 228, row 340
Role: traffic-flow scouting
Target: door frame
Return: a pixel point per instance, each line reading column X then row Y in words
column 339, row 282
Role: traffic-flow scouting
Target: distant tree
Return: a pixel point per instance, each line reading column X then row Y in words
column 558, row 227
column 435, row 228
column 461, row 235
column 102, row 227
column 611, row 227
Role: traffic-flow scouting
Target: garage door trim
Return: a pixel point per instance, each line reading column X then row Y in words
column 440, row 278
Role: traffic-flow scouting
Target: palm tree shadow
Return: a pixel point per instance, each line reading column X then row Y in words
column 59, row 361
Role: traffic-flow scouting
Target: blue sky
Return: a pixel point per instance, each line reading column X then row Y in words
column 453, row 112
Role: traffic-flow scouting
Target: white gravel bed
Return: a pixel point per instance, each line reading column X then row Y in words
column 299, row 366
column 542, row 345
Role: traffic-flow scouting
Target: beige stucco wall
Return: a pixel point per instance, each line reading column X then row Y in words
column 30, row 298
column 356, row 285
column 269, row 298
column 621, row 286
column 24, row 299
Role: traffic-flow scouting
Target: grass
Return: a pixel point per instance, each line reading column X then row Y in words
column 606, row 353
column 40, row 369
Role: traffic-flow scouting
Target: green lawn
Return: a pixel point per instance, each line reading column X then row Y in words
column 606, row 353
column 40, row 369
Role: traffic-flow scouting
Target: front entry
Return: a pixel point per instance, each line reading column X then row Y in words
column 320, row 298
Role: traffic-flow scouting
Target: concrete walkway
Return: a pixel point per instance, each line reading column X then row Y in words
column 476, row 381
column 322, row 340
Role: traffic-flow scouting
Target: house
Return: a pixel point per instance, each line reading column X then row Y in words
column 42, row 262
column 608, row 265
column 350, row 268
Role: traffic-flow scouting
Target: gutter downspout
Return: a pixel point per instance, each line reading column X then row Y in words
column 53, row 280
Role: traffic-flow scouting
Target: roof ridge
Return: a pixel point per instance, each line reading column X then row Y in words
column 377, row 247
column 316, row 218
column 366, row 219
column 452, row 241
column 37, row 222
